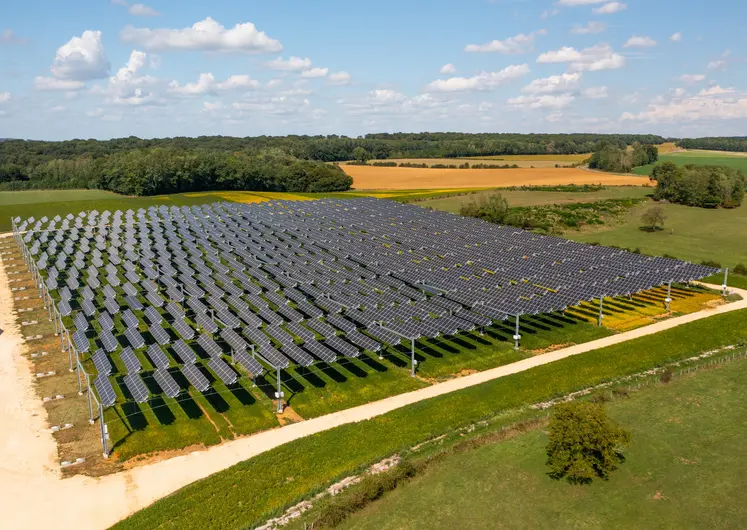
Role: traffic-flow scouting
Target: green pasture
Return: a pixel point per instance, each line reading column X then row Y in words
column 278, row 478
column 690, row 233
column 538, row 198
column 699, row 158
column 685, row 468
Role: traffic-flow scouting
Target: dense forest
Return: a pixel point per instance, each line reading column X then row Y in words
column 715, row 143
column 704, row 186
column 621, row 159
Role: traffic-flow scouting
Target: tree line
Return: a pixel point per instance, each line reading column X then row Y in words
column 617, row 159
column 704, row 186
column 161, row 170
column 715, row 143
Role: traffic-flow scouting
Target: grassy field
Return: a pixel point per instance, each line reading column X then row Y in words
column 538, row 198
column 685, row 468
column 690, row 233
column 400, row 178
column 699, row 158
column 276, row 479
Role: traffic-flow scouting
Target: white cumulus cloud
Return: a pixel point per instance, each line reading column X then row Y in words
column 599, row 57
column 521, row 43
column 609, row 8
column 5, row 97
column 712, row 104
column 315, row 72
column 207, row 84
column 206, row 35
column 55, row 84
column 448, row 69
column 554, row 83
column 574, row 3
column 141, row 10
column 481, row 81
column 293, row 64
column 637, row 41
column 339, row 78
column 542, row 102
column 590, row 28
column 676, row 37
column 692, row 78
column 596, row 92
column 81, row 58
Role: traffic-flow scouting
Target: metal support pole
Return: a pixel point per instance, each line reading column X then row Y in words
column 668, row 299
column 279, row 393
column 104, row 431
column 412, row 358
column 601, row 316
column 88, row 393
column 517, row 337
column 77, row 373
column 724, row 289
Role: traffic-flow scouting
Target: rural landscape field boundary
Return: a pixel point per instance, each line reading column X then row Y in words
column 95, row 503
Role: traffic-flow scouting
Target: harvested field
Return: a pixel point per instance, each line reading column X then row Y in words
column 400, row 178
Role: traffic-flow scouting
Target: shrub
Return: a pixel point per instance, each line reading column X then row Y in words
column 584, row 444
column 741, row 269
column 711, row 263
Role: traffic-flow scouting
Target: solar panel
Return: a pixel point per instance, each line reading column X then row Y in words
column 157, row 356
column 166, row 381
column 134, row 338
column 273, row 357
column 195, row 377
column 320, row 327
column 102, row 363
column 111, row 305
column 345, row 348
column 297, row 354
column 81, row 322
column 251, row 364
column 159, row 334
column 341, row 323
column 105, row 391
column 384, row 335
column 81, row 341
column 222, row 370
column 367, row 343
column 130, row 320
column 209, row 345
column 130, row 360
column 153, row 316
column 137, row 388
column 64, row 308
column 299, row 331
column 105, row 321
column 184, row 352
column 206, row 323
column 184, row 330
column 320, row 351
column 108, row 341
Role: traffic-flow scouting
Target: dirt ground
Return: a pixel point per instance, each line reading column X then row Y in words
column 401, row 178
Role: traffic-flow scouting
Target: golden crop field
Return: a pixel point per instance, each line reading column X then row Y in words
column 400, row 178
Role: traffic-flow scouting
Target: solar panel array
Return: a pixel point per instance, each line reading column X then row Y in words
column 305, row 281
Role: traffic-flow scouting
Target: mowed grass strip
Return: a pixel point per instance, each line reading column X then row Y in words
column 247, row 492
column 685, row 468
column 698, row 158
column 538, row 198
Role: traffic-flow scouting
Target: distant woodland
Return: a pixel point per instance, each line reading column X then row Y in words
column 289, row 163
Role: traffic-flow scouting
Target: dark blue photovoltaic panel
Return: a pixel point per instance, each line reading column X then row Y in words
column 222, row 370
column 137, row 388
column 195, row 377
column 102, row 363
column 105, row 391
column 247, row 361
column 166, row 381
column 184, row 352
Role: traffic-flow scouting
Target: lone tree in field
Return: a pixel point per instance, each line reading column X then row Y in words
column 584, row 443
column 653, row 217
column 361, row 155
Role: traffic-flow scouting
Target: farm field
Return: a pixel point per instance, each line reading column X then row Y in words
column 700, row 158
column 538, row 198
column 684, row 469
column 694, row 234
column 400, row 178
column 305, row 466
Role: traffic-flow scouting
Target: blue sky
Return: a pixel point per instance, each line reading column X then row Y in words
column 104, row 69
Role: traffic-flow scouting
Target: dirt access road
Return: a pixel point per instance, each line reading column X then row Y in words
column 34, row 496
